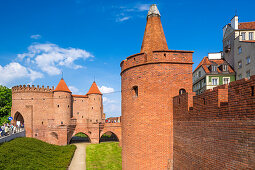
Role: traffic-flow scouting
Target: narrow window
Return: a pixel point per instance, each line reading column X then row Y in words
column 164, row 54
column 248, row 74
column 42, row 122
column 250, row 35
column 68, row 106
column 214, row 68
column 204, row 101
column 214, row 81
column 134, row 59
column 225, row 67
column 92, row 108
column 226, row 80
column 61, row 122
column 248, row 60
column 239, row 64
column 239, row 50
column 58, row 105
column 240, row 76
column 252, row 90
column 135, row 89
column 243, row 35
column 182, row 91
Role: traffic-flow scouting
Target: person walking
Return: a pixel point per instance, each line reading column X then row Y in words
column 6, row 130
column 18, row 126
column 3, row 128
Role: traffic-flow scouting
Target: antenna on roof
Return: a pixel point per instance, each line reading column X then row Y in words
column 94, row 78
column 62, row 74
column 236, row 12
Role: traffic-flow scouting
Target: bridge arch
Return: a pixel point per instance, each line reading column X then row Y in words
column 79, row 137
column 108, row 136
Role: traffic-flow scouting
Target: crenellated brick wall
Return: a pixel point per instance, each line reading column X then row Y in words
column 217, row 129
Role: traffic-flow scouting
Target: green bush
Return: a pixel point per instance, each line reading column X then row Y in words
column 5, row 104
column 30, row 153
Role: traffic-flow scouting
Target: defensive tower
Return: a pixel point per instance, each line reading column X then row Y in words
column 150, row 80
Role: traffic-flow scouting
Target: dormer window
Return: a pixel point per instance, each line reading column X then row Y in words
column 225, row 67
column 214, row 68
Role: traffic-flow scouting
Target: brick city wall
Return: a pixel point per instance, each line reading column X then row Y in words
column 216, row 130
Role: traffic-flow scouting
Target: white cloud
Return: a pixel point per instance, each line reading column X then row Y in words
column 50, row 57
column 14, row 71
column 74, row 90
column 130, row 11
column 122, row 19
column 36, row 36
column 106, row 100
column 143, row 7
column 105, row 89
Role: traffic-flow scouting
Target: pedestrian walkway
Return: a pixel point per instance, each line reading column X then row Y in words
column 7, row 138
column 79, row 158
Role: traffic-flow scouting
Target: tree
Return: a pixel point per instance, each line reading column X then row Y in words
column 5, row 104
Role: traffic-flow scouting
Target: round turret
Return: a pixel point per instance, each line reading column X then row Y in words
column 149, row 81
column 62, row 103
column 95, row 104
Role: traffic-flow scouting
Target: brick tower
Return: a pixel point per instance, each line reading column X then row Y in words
column 150, row 80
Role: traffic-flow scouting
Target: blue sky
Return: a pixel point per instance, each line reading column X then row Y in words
column 84, row 38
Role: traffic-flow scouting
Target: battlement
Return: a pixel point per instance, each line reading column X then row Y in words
column 32, row 89
column 235, row 100
column 166, row 56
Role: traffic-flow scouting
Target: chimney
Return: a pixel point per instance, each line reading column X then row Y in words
column 234, row 22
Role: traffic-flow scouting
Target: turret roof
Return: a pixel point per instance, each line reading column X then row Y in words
column 62, row 86
column 154, row 38
column 94, row 89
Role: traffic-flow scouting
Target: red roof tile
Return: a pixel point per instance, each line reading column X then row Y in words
column 62, row 86
column 246, row 25
column 94, row 89
column 218, row 62
column 80, row 96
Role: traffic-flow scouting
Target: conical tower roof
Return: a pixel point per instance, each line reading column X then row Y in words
column 62, row 86
column 94, row 89
column 154, row 38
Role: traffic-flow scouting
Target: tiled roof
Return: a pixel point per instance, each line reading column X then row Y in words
column 62, row 86
column 94, row 89
column 205, row 62
column 80, row 96
column 246, row 25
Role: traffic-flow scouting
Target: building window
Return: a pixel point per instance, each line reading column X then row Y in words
column 243, row 35
column 240, row 76
column 239, row 50
column 135, row 90
column 248, row 60
column 225, row 67
column 250, row 35
column 248, row 74
column 58, row 105
column 199, row 74
column 226, row 80
column 239, row 64
column 252, row 90
column 214, row 81
column 182, row 91
column 214, row 68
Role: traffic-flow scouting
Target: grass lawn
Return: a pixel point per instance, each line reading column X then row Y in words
column 106, row 156
column 30, row 153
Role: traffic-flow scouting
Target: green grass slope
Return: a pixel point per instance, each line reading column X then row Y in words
column 105, row 156
column 30, row 153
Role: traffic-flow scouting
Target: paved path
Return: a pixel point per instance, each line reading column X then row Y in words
column 79, row 158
